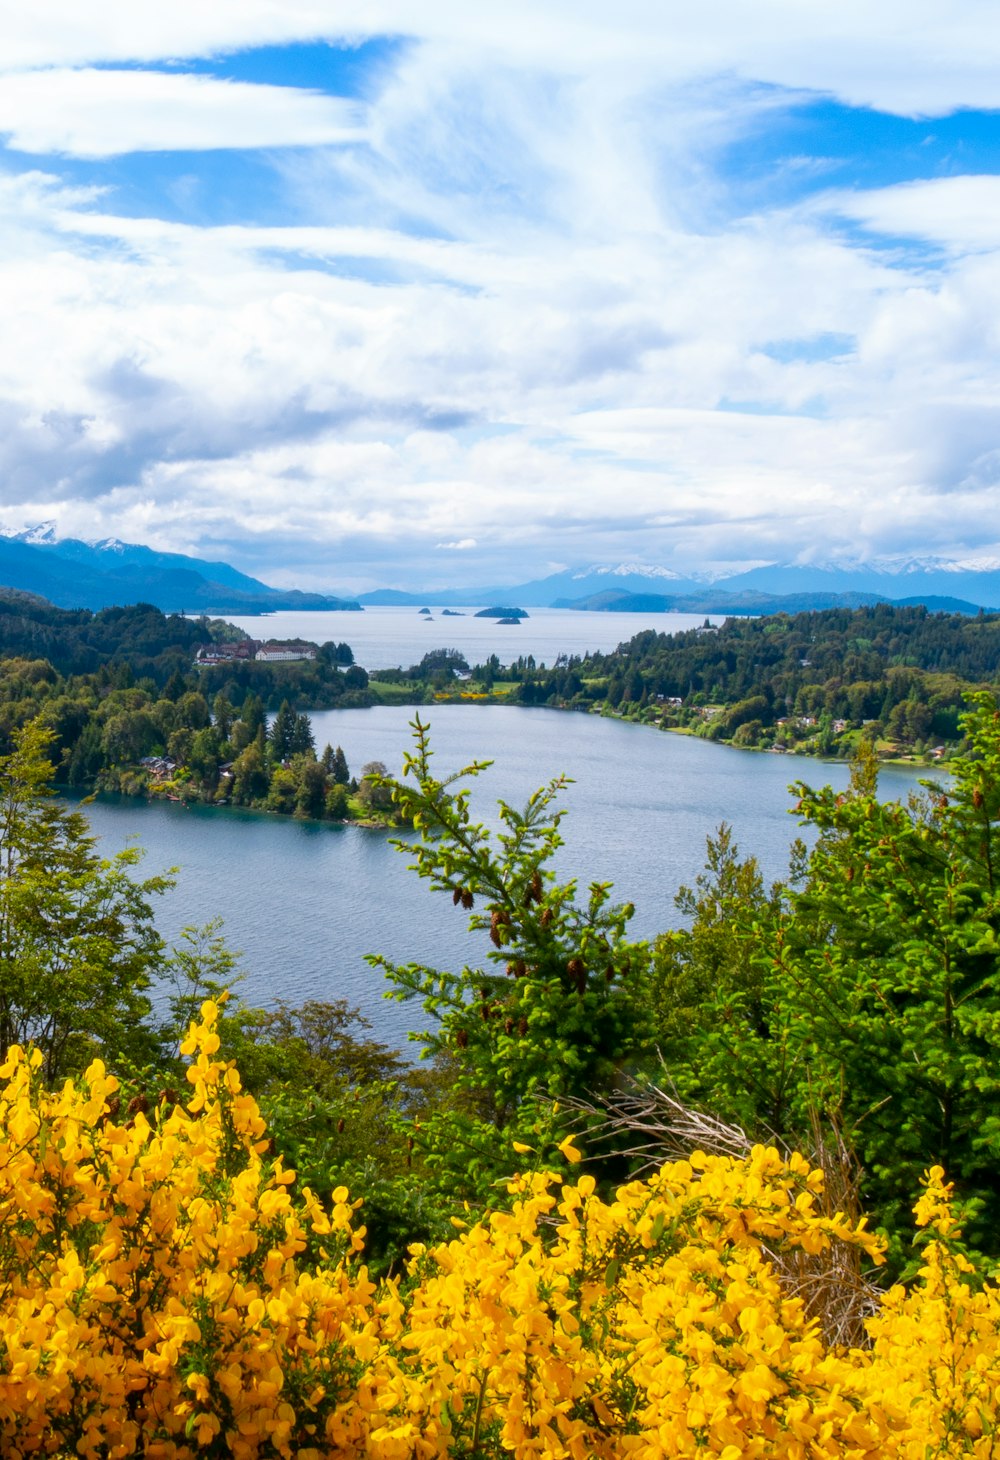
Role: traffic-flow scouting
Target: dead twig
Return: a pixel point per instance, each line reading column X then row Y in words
column 648, row 1125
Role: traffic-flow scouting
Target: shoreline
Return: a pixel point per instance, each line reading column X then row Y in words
column 80, row 797
column 370, row 823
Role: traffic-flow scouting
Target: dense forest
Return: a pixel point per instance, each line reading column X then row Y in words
column 813, row 681
column 129, row 710
column 639, row 1197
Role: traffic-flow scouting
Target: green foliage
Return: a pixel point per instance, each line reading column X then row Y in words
column 867, row 994
column 893, row 947
column 339, row 1106
column 713, row 998
column 440, row 665
column 374, row 790
column 78, row 948
column 553, row 1009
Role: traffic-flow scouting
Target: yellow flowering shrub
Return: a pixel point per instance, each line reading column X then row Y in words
column 937, row 1345
column 653, row 1325
column 151, row 1301
column 165, row 1292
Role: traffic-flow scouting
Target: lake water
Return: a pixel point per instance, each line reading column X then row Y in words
column 305, row 901
column 391, row 638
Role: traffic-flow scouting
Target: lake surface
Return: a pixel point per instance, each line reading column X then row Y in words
column 392, row 638
column 304, row 902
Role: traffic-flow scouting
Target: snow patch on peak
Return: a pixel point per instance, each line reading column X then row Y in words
column 984, row 564
column 41, row 533
column 109, row 545
column 895, row 565
column 625, row 570
column 902, row 567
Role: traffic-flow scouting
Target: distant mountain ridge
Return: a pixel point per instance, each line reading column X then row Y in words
column 71, row 573
column 571, row 583
column 956, row 587
column 976, row 581
column 753, row 604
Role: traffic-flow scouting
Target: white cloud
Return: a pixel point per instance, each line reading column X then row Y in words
column 99, row 113
column 463, row 545
column 183, row 382
column 958, row 213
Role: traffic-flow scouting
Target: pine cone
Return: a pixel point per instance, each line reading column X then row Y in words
column 578, row 973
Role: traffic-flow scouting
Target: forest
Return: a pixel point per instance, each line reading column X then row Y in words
column 129, row 712
column 731, row 1191
column 812, row 682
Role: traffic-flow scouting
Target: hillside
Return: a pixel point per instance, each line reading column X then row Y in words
column 74, row 574
column 812, row 681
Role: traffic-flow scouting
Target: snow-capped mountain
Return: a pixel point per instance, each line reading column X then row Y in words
column 76, row 574
column 43, row 534
column 977, row 580
column 625, row 570
column 583, row 582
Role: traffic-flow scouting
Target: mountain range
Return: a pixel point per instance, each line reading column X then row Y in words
column 72, row 573
column 631, row 587
column 75, row 574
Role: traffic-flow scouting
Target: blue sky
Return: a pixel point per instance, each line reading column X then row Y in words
column 432, row 293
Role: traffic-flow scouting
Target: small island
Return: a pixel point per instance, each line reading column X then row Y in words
column 505, row 615
column 451, row 613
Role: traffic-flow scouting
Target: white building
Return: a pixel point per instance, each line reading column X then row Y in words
column 283, row 653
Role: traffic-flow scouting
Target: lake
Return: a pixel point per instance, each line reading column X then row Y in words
column 304, row 902
column 392, row 638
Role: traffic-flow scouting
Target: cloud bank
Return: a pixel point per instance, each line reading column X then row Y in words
column 501, row 289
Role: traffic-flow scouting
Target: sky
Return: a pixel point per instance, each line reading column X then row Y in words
column 413, row 295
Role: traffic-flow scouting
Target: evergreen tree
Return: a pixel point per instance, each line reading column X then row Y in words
column 555, row 1003
column 78, row 948
column 301, row 740
column 281, row 733
column 310, row 798
column 252, row 715
column 223, row 714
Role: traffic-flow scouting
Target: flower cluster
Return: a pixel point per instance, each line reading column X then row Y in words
column 165, row 1292
column 937, row 1345
column 152, row 1300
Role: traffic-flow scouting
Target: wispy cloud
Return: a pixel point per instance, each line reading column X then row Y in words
column 105, row 113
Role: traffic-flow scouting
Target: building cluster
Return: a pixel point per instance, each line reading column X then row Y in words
column 269, row 652
column 158, row 767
